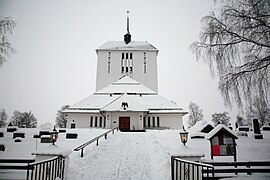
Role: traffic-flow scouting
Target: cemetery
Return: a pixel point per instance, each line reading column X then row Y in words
column 156, row 151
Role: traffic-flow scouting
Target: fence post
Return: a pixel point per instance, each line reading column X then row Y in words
column 248, row 166
column 172, row 167
column 82, row 152
column 97, row 142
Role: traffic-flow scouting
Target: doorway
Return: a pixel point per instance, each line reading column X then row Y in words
column 124, row 123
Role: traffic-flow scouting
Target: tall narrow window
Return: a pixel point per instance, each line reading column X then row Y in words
column 153, row 118
column 149, row 121
column 100, row 121
column 91, row 121
column 96, row 121
column 158, row 123
column 109, row 62
column 144, row 122
column 104, row 121
column 123, row 63
column 131, row 63
column 144, row 62
column 127, row 63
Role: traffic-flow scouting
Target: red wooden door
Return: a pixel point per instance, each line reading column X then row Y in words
column 124, row 123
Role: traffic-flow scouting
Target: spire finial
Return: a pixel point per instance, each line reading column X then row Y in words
column 128, row 22
column 127, row 37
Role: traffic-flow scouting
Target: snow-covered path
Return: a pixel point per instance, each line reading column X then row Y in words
column 122, row 156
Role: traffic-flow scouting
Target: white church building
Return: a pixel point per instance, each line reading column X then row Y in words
column 126, row 91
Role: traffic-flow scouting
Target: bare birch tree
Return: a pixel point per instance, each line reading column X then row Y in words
column 6, row 27
column 61, row 119
column 235, row 42
column 258, row 109
column 195, row 114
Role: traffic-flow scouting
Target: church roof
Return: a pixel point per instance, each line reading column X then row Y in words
column 139, row 98
column 126, row 84
column 121, row 45
column 133, row 104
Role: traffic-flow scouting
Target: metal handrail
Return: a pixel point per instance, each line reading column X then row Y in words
column 184, row 169
column 46, row 169
column 81, row 147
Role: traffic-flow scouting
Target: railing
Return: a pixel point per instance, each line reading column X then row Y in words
column 188, row 170
column 48, row 169
column 222, row 169
column 81, row 147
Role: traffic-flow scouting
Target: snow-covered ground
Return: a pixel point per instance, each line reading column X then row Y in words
column 131, row 155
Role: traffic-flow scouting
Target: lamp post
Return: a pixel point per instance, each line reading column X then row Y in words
column 54, row 135
column 183, row 136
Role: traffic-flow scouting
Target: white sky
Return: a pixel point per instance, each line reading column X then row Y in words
column 55, row 63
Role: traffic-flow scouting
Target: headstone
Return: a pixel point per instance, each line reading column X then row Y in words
column 236, row 125
column 18, row 139
column 230, row 126
column 2, row 147
column 45, row 139
column 256, row 129
column 18, row 134
column 71, row 135
column 72, row 125
column 62, row 131
column 11, row 128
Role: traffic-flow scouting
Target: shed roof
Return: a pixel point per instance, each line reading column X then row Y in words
column 218, row 128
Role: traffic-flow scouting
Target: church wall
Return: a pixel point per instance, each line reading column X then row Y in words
column 83, row 120
column 147, row 75
column 171, row 121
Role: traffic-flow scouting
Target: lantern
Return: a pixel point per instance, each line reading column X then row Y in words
column 54, row 135
column 183, row 136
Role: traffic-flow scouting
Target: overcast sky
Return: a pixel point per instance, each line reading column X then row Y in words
column 55, row 63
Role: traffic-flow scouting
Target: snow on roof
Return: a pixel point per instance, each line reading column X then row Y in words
column 133, row 104
column 126, row 89
column 198, row 126
column 126, row 84
column 121, row 45
column 53, row 150
column 218, row 128
column 92, row 103
column 158, row 104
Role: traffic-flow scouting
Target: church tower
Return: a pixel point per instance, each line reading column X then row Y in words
column 137, row 59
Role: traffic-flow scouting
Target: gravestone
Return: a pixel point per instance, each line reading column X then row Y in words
column 256, row 129
column 72, row 125
column 45, row 139
column 18, row 134
column 71, row 135
column 236, row 125
column 2, row 147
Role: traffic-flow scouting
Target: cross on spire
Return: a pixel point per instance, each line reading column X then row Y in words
column 127, row 37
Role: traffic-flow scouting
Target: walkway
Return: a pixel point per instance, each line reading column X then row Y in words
column 123, row 156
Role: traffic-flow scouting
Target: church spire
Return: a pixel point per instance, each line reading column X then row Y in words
column 127, row 37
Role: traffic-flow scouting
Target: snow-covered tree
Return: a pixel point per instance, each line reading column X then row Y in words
column 221, row 118
column 6, row 27
column 234, row 41
column 241, row 121
column 195, row 114
column 61, row 120
column 3, row 118
column 259, row 109
column 26, row 118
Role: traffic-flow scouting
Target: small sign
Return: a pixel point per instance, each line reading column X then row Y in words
column 222, row 142
column 227, row 140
